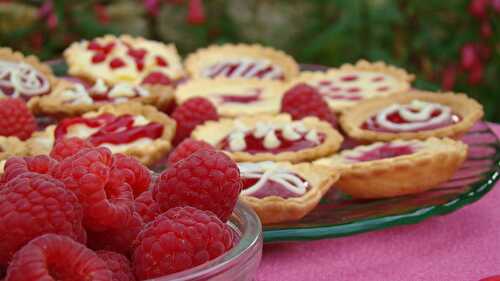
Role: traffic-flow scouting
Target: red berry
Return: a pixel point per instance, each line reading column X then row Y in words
column 477, row 8
column 15, row 166
column 98, row 57
column 66, row 147
column 179, row 239
column 16, row 119
column 193, row 112
column 186, row 148
column 486, row 30
column 196, row 13
column 106, row 197
column 449, row 77
column 476, row 75
column 34, row 204
column 134, row 173
column 161, row 61
column 469, row 56
column 146, row 206
column 157, row 78
column 54, row 257
column 118, row 264
column 303, row 100
column 207, row 180
column 116, row 63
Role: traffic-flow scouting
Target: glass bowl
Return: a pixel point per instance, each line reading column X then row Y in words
column 241, row 262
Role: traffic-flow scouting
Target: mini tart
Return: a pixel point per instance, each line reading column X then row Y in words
column 235, row 97
column 241, row 61
column 146, row 152
column 216, row 132
column 349, row 84
column 71, row 99
column 276, row 209
column 399, row 172
column 27, row 69
column 122, row 59
column 466, row 109
column 11, row 146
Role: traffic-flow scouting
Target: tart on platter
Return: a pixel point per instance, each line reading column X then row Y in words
column 11, row 146
column 281, row 191
column 275, row 138
column 414, row 115
column 130, row 128
column 241, row 61
column 396, row 168
column 349, row 84
column 235, row 97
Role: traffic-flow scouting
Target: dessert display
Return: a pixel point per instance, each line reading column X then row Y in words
column 277, row 138
column 241, row 61
column 281, row 191
column 129, row 128
column 234, row 98
column 396, row 168
column 414, row 115
column 345, row 86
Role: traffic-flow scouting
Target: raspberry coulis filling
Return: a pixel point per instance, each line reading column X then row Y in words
column 22, row 80
column 244, row 69
column 111, row 129
column 254, row 96
column 346, row 88
column 384, row 151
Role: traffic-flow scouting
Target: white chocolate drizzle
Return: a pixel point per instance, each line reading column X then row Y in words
column 245, row 68
column 77, row 94
column 23, row 78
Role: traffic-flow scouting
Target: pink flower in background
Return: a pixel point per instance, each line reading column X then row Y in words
column 152, row 6
column 196, row 13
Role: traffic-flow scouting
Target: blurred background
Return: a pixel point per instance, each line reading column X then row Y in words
column 449, row 45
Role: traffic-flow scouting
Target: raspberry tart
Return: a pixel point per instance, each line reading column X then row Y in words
column 414, row 115
column 241, row 61
column 276, row 138
column 281, row 191
column 235, row 97
column 130, row 128
column 396, row 168
column 24, row 77
column 124, row 59
column 73, row 98
column 11, row 146
column 345, row 86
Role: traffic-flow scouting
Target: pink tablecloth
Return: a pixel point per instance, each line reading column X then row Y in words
column 462, row 246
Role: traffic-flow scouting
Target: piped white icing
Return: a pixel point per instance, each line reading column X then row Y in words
column 271, row 140
column 77, row 95
column 23, row 78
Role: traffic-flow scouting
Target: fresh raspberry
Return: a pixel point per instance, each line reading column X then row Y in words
column 146, row 206
column 40, row 164
column 16, row 119
column 179, row 239
column 106, row 197
column 207, row 180
column 186, row 148
column 193, row 112
column 34, row 204
column 55, row 257
column 303, row 100
column 136, row 174
column 66, row 147
column 117, row 240
column 118, row 264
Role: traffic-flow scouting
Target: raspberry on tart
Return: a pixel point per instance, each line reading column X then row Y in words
column 281, row 191
column 241, row 61
column 345, row 86
column 396, row 168
column 276, row 138
column 234, row 98
column 24, row 77
column 71, row 98
column 124, row 59
column 133, row 129
column 413, row 115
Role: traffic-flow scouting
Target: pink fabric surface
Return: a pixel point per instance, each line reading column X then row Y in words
column 462, row 246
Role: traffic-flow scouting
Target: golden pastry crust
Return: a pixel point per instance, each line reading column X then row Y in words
column 42, row 142
column 57, row 104
column 275, row 209
column 269, row 103
column 79, row 60
column 401, row 80
column 215, row 131
column 204, row 57
column 469, row 110
column 11, row 146
column 435, row 161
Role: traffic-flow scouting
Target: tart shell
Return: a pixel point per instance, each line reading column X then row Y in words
column 275, row 209
column 469, row 110
column 11, row 146
column 214, row 131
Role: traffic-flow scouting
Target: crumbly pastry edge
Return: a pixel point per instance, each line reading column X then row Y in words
column 195, row 60
column 470, row 111
column 331, row 144
column 275, row 209
column 402, row 175
column 12, row 146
